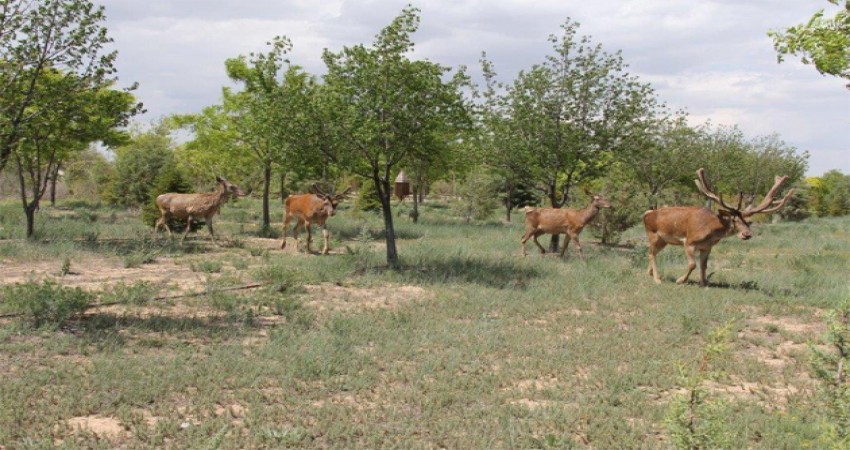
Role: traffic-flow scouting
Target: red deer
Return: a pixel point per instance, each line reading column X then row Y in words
column 539, row 221
column 194, row 206
column 309, row 209
column 698, row 228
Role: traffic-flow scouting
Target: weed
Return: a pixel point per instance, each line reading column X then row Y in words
column 694, row 420
column 45, row 304
column 830, row 369
column 129, row 294
column 206, row 266
column 65, row 269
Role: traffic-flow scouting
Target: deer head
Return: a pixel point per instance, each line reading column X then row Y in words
column 331, row 201
column 230, row 188
column 597, row 200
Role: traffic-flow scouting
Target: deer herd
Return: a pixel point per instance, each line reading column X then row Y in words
column 693, row 227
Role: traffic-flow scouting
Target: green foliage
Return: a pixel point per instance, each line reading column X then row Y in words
column 367, row 197
column 830, row 369
column 694, row 419
column 206, row 266
column 46, row 303
column 627, row 201
column 138, row 294
column 824, row 41
column 797, row 208
column 829, row 195
column 478, row 196
column 138, row 164
column 170, row 179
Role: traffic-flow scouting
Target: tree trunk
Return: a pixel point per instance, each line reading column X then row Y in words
column 384, row 193
column 267, row 180
column 30, row 213
column 415, row 213
column 509, row 206
column 53, row 177
column 283, row 193
column 556, row 238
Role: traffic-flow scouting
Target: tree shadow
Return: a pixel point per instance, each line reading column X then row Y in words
column 504, row 274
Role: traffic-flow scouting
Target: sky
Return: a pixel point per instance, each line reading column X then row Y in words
column 711, row 58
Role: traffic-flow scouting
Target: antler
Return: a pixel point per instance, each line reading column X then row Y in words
column 767, row 204
column 702, row 185
column 317, row 190
column 344, row 193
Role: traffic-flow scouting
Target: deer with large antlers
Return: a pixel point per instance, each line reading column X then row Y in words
column 309, row 209
column 539, row 221
column 698, row 228
column 195, row 206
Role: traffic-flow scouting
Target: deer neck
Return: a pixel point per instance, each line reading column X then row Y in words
column 221, row 195
column 587, row 214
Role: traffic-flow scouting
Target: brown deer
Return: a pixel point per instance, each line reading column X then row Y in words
column 194, row 206
column 539, row 221
column 698, row 228
column 309, row 209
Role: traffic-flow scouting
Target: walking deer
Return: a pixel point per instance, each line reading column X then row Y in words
column 309, row 209
column 194, row 206
column 539, row 221
column 698, row 228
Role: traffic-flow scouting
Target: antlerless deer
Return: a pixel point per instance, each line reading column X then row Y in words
column 309, row 209
column 698, row 228
column 194, row 206
column 539, row 221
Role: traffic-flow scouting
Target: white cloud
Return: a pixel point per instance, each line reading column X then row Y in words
column 712, row 58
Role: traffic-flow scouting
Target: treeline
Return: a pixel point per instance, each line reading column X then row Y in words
column 579, row 118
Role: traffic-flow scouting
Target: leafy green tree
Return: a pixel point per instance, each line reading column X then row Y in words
column 138, row 163
column 829, row 195
column 478, row 196
column 68, row 127
column 574, row 112
column 823, row 41
column 389, row 109
column 38, row 37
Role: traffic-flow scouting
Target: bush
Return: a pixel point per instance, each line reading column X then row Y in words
column 478, row 196
column 170, row 180
column 367, row 199
column 45, row 304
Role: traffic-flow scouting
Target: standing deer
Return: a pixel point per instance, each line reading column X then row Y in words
column 698, row 228
column 540, row 221
column 309, row 209
column 194, row 206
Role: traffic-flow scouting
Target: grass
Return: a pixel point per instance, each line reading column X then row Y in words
column 469, row 345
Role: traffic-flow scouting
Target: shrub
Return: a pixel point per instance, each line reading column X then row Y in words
column 45, row 304
column 478, row 196
column 169, row 180
column 367, row 198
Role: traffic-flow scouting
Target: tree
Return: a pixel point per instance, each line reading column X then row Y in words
column 138, row 163
column 574, row 112
column 38, row 37
column 824, row 41
column 389, row 109
column 66, row 127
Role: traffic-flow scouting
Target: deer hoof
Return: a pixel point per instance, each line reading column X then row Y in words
column 682, row 280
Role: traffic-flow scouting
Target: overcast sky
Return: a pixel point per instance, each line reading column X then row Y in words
column 711, row 58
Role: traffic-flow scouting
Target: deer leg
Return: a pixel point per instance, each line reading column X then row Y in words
column 188, row 228
column 535, row 234
column 578, row 247
column 525, row 238
column 689, row 252
column 210, row 227
column 703, row 265
column 309, row 228
column 164, row 220
column 298, row 225
column 286, row 218
column 325, row 235
column 656, row 244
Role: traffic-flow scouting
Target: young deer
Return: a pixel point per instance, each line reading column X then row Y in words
column 309, row 209
column 539, row 221
column 698, row 228
column 194, row 206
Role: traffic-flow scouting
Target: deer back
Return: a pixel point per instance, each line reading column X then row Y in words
column 678, row 224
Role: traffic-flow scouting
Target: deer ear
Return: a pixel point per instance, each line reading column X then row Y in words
column 587, row 191
column 219, row 179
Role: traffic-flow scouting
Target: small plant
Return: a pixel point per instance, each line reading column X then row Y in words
column 66, row 267
column 694, row 420
column 45, row 304
column 129, row 294
column 830, row 368
column 136, row 259
column 206, row 266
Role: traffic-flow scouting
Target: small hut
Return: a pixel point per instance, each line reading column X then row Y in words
column 402, row 186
